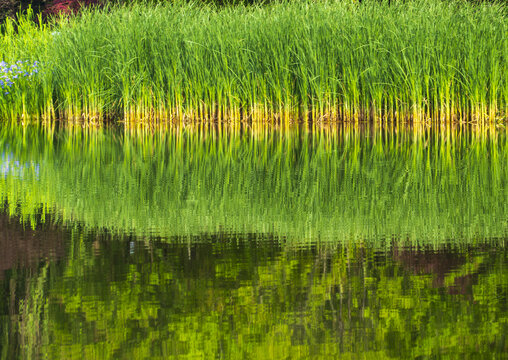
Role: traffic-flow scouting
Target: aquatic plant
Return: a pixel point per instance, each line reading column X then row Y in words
column 416, row 60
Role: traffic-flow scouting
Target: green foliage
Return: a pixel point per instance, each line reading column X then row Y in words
column 419, row 59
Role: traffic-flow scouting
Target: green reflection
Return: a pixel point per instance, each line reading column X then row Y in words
column 199, row 243
column 249, row 297
column 336, row 185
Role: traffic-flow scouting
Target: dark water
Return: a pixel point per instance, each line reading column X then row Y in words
column 253, row 244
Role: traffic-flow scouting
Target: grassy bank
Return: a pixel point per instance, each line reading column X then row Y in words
column 328, row 60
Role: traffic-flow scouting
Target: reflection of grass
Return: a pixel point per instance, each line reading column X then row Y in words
column 331, row 185
column 420, row 59
column 32, row 325
column 260, row 300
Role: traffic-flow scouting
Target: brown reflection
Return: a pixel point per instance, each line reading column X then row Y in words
column 21, row 246
column 439, row 263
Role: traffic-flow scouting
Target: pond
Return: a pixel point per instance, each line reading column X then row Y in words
column 253, row 243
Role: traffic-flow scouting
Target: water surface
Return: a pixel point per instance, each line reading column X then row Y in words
column 253, row 244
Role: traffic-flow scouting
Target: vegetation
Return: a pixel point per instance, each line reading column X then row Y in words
column 415, row 60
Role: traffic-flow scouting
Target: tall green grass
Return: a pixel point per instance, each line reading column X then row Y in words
column 415, row 60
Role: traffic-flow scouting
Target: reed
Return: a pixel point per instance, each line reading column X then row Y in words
column 414, row 60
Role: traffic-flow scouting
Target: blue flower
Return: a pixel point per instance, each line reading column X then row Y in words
column 10, row 73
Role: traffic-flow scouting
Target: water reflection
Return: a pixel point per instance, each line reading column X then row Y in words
column 199, row 244
column 253, row 296
column 305, row 186
column 13, row 168
column 25, row 248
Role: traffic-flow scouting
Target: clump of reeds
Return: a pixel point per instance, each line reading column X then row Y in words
column 419, row 60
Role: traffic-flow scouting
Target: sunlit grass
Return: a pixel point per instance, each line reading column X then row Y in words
column 419, row 60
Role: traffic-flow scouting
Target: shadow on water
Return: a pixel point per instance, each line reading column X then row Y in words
column 25, row 247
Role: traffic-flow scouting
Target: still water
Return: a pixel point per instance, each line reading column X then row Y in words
column 253, row 243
